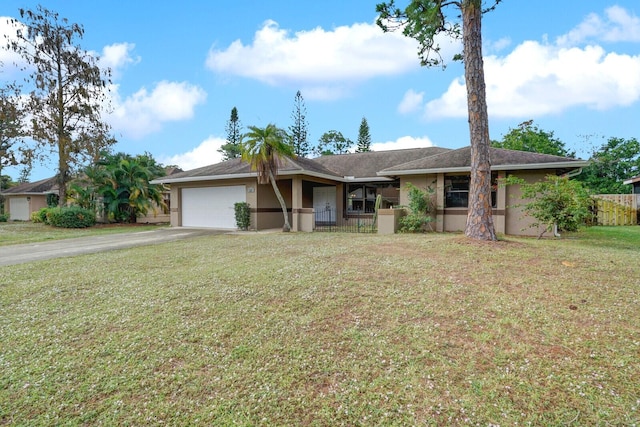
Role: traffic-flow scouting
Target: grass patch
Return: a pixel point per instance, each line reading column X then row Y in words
column 14, row 233
column 325, row 329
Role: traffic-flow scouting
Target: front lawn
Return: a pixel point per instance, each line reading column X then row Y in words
column 13, row 233
column 327, row 329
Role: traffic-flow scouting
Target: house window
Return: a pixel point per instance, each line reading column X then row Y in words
column 361, row 198
column 456, row 190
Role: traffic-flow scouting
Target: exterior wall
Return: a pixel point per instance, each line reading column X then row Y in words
column 516, row 222
column 268, row 207
column 36, row 202
column 507, row 219
column 154, row 218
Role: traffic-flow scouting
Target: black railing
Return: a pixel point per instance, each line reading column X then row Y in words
column 329, row 220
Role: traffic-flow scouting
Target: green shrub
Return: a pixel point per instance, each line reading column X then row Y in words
column 40, row 216
column 71, row 217
column 243, row 215
column 4, row 217
column 556, row 201
column 419, row 210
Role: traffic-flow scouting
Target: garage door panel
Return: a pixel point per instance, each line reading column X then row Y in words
column 211, row 207
column 19, row 209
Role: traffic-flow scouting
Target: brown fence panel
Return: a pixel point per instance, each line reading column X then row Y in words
column 617, row 209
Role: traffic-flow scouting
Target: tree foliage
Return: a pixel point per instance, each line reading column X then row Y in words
column 119, row 185
column 529, row 137
column 423, row 20
column 68, row 90
column 333, row 142
column 615, row 161
column 299, row 130
column 231, row 149
column 556, row 201
column 364, row 137
column 263, row 149
column 12, row 122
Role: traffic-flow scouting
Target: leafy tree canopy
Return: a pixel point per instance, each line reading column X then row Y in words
column 333, row 142
column 616, row 160
column 122, row 182
column 12, row 118
column 529, row 137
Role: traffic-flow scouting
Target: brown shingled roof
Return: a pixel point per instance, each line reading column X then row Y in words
column 232, row 167
column 379, row 164
column 460, row 160
column 44, row 186
column 368, row 164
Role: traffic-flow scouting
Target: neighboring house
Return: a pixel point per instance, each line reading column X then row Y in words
column 635, row 181
column 348, row 184
column 23, row 199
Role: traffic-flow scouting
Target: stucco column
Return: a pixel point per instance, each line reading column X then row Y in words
column 296, row 203
column 499, row 219
column 440, row 203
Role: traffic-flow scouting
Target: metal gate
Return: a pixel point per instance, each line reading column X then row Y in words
column 328, row 220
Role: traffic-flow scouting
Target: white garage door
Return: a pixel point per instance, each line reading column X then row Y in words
column 19, row 209
column 211, row 207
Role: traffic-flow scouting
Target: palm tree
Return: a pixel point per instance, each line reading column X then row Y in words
column 263, row 149
column 122, row 181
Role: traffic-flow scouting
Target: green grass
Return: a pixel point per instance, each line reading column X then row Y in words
column 327, row 329
column 13, row 233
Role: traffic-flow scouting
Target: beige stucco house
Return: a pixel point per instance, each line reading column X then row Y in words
column 330, row 188
column 23, row 199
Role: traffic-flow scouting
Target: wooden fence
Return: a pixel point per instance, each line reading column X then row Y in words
column 617, row 209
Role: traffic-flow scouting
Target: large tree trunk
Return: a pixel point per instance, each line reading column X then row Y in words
column 283, row 205
column 479, row 218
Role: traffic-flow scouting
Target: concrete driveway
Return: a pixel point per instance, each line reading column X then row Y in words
column 18, row 254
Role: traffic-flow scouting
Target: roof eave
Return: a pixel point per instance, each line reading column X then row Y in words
column 29, row 193
column 169, row 180
column 556, row 165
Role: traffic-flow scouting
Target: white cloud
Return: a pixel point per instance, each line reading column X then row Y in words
column 117, row 56
column 204, row 154
column 145, row 111
column 540, row 78
column 325, row 63
column 411, row 101
column 402, row 143
column 618, row 26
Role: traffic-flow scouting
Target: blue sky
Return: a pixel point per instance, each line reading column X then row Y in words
column 572, row 66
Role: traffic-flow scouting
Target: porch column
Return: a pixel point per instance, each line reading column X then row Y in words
column 296, row 203
column 440, row 203
column 500, row 217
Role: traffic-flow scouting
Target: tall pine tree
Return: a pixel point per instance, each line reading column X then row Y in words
column 364, row 137
column 425, row 20
column 299, row 130
column 231, row 150
column 68, row 91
